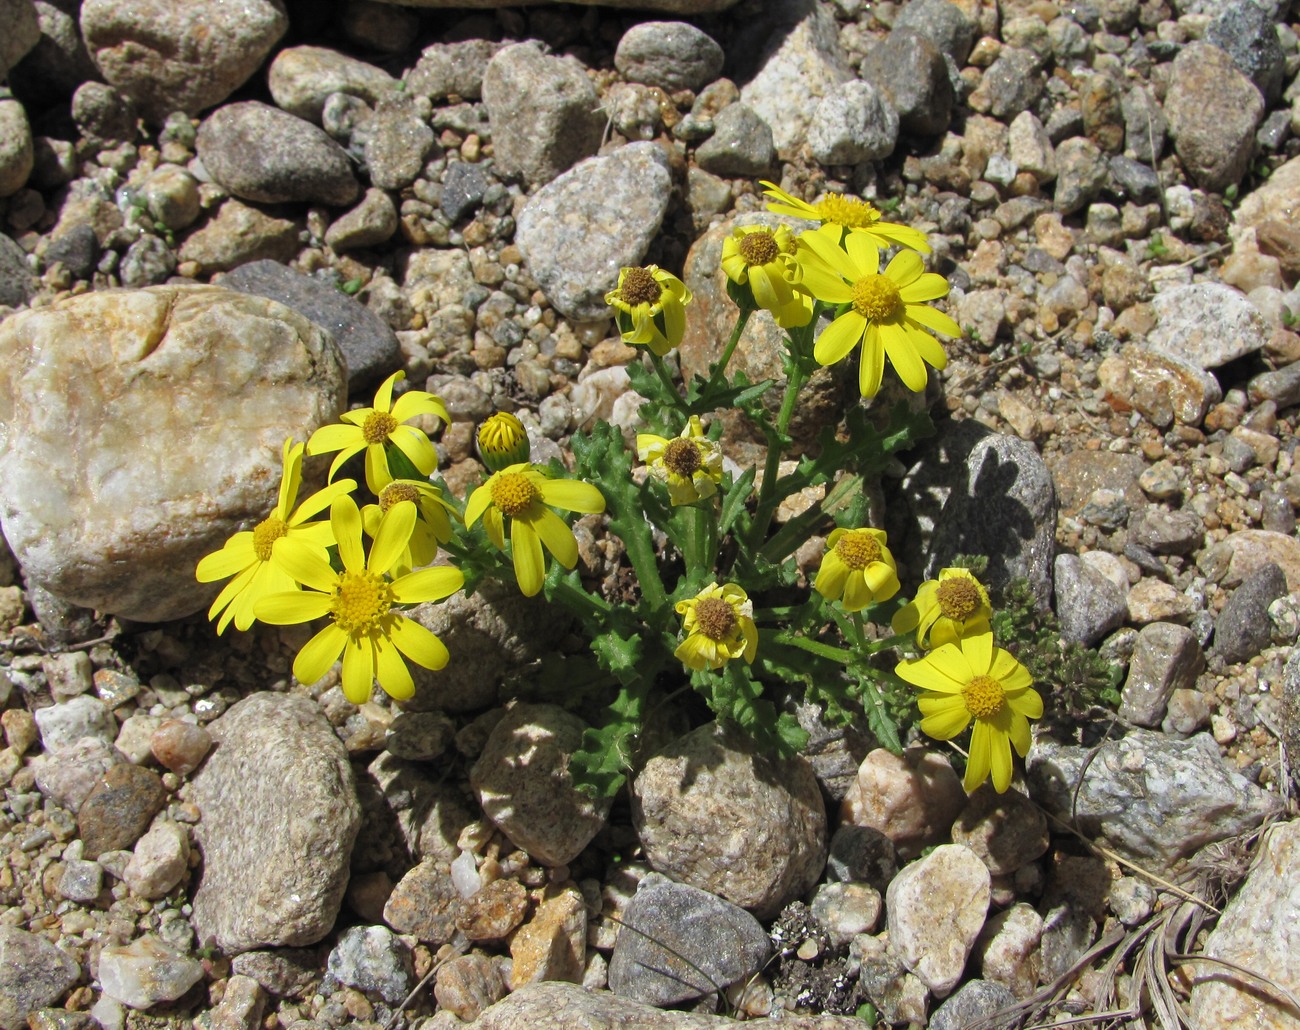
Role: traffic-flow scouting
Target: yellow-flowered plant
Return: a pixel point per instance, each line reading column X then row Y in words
column 433, row 523
column 847, row 215
column 502, row 441
column 689, row 464
column 361, row 602
column 762, row 258
column 945, row 609
column 254, row 558
column 974, row 680
column 650, row 308
column 525, row 495
column 857, row 569
column 719, row 626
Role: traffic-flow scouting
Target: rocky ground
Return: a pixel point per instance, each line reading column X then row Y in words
column 1110, row 187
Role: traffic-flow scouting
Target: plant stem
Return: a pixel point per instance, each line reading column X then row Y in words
column 835, row 654
column 641, row 553
column 767, row 497
column 666, row 377
column 720, row 366
column 585, row 606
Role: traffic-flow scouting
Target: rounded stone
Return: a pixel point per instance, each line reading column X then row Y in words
column 669, row 54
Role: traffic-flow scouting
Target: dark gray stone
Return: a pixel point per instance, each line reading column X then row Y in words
column 1248, row 34
column 77, row 247
column 741, row 144
column 369, row 346
column 1013, row 83
column 909, row 69
column 463, row 187
column 1167, row 657
column 943, row 23
column 147, row 262
column 672, row 55
column 103, row 115
column 1132, row 180
column 861, row 854
column 681, row 943
column 974, row 1003
column 445, row 69
column 1088, row 604
column 1166, row 532
column 33, row 974
column 1145, row 126
column 1242, row 628
column 1081, row 174
column 16, row 283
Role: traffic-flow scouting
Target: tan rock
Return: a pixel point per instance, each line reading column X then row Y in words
column 553, row 944
column 913, row 799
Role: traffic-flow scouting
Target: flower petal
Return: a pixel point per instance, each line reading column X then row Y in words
column 907, row 363
column 233, row 558
column 932, row 318
column 478, row 503
column 929, row 286
column 427, row 585
column 358, row 670
column 290, row 479
column 557, row 537
column 864, row 252
column 1028, row 703
column 304, row 564
column 292, row 607
column 384, row 395
column 871, row 369
column 391, row 671
column 393, row 537
column 419, row 402
column 832, row 576
column 530, row 563
column 981, row 756
column 838, row 338
column 494, row 526
column 572, row 495
column 321, row 500
column 825, row 244
column 945, row 715
column 346, row 520
column 414, row 443
column 905, row 268
column 418, row 644
column 318, row 654
column 903, row 235
column 334, row 437
column 930, row 349
column 978, row 649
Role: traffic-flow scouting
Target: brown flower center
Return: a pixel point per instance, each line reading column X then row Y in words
column 876, row 298
column 759, row 247
column 715, row 618
column 984, row 696
column 857, row 550
column 682, row 456
column 640, row 287
column 958, row 598
column 266, row 533
column 377, row 426
column 513, row 492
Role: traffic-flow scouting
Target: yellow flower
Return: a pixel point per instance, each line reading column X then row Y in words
column 522, row 493
column 763, row 257
column 857, row 569
column 649, row 307
column 502, row 441
column 857, row 216
column 885, row 312
column 691, row 464
column 946, row 609
column 719, row 626
column 254, row 558
column 369, row 429
column 432, row 524
column 972, row 679
column 360, row 602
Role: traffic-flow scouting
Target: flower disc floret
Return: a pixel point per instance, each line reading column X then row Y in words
column 396, row 492
column 876, row 297
column 857, row 569
column 690, row 464
column 361, row 600
column 649, row 307
column 972, row 680
column 265, row 534
column 945, row 609
column 682, row 457
column 959, row 597
column 432, row 524
column 525, row 495
column 759, row 248
column 719, row 626
column 639, row 287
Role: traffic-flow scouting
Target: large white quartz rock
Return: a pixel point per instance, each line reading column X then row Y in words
column 140, row 428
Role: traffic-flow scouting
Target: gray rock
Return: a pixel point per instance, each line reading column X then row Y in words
column 67, row 722
column 172, row 196
column 302, row 77
column 1166, row 532
column 77, row 248
column 371, row 223
column 184, row 57
column 1145, row 125
column 1088, row 604
column 1281, row 386
column 468, row 984
column 1154, row 800
column 1132, row 180
column 1207, row 324
column 425, row 903
column 16, row 282
column 845, row 910
column 406, row 817
column 1242, row 629
column 1030, row 148
column 23, row 31
column 260, row 153
column 1011, row 84
column 741, row 144
column 1254, row 932
column 379, row 26
column 741, row 825
column 1213, row 111
column 672, row 55
column 1167, row 657
column 463, row 187
column 974, row 1003
column 213, row 346
column 1004, row 506
column 147, row 262
column 59, row 62
column 369, row 347
column 795, row 55
column 283, row 971
column 854, row 123
column 523, row 783
column 943, row 23
column 375, row 960
column 1081, row 174
column 147, row 971
column 909, row 69
column 33, row 974
column 861, row 854
column 68, row 774
column 544, row 113
column 1068, row 932
column 81, row 880
column 447, row 69
column 17, row 155
column 279, row 817
column 398, row 140
column 577, row 231
column 679, row 943
column 1007, row 831
column 1248, row 34
column 104, row 116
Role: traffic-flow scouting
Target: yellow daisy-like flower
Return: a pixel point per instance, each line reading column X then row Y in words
column 763, row 257
column 886, row 312
column 360, row 602
column 857, row 569
column 432, row 523
column 719, row 626
column 649, row 307
column 369, row 429
column 521, row 493
column 972, row 679
column 857, row 216
column 690, row 464
column 946, row 609
column 502, row 441
column 253, row 557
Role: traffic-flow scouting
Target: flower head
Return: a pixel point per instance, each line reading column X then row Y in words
column 762, row 257
column 432, row 523
column 370, row 429
column 886, row 311
column 972, row 679
column 522, row 493
column 946, row 609
column 847, row 213
column 649, row 306
column 360, row 602
column 857, row 569
column 719, row 626
column 690, row 464
column 253, row 557
column 502, row 440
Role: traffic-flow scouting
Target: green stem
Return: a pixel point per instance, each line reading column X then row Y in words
column 641, row 553
column 587, row 607
column 835, row 654
column 670, row 388
column 720, row 366
column 767, row 497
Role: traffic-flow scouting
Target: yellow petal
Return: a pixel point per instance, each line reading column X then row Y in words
column 318, row 654
column 416, row 446
column 291, row 607
column 394, row 535
column 418, row 644
column 1026, row 703
column 346, row 520
column 864, row 252
column 530, row 566
column 321, row 500
column 945, row 716
column 872, row 368
column 981, row 756
column 907, row 363
column 478, row 503
column 832, row 575
column 290, row 478
column 557, row 537
column 304, row 564
column 384, row 395
column 856, row 594
column 358, row 673
column 391, row 671
column 572, row 495
column 838, row 338
column 334, row 437
column 427, row 585
column 905, row 268
column 233, row 558
column 419, row 402
column 978, row 649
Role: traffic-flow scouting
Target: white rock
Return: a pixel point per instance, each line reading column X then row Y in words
column 160, row 860
column 145, row 972
column 69, row 721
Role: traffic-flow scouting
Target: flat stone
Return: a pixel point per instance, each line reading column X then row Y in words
column 33, row 974
column 120, row 809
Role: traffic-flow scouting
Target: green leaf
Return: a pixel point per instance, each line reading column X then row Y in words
column 599, row 767
column 735, row 500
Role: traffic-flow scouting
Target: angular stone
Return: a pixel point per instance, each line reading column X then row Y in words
column 147, row 971
column 120, row 809
column 33, row 974
column 552, row 945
